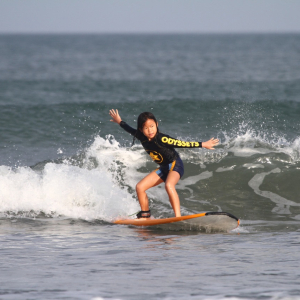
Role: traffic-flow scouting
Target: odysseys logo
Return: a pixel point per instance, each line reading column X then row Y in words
column 179, row 143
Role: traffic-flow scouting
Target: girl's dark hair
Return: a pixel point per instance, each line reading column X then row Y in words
column 143, row 117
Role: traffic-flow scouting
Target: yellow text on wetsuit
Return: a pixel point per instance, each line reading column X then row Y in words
column 179, row 143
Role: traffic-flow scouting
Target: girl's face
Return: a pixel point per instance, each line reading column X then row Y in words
column 149, row 129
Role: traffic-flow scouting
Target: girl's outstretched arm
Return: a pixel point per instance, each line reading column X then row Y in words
column 210, row 144
column 117, row 119
column 115, row 116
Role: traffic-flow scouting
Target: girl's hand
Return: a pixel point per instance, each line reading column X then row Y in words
column 210, row 144
column 115, row 116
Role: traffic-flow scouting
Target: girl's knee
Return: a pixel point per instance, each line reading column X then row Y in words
column 169, row 186
column 139, row 187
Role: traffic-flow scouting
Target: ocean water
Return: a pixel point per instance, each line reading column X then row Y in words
column 66, row 171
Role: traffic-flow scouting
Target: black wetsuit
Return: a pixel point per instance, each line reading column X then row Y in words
column 161, row 147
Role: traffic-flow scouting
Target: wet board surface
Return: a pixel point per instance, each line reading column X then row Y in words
column 206, row 221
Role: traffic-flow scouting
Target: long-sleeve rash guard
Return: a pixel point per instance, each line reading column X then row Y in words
column 161, row 147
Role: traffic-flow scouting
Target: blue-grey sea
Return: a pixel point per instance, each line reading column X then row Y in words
column 66, row 171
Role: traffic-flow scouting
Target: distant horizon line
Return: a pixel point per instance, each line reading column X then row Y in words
column 149, row 33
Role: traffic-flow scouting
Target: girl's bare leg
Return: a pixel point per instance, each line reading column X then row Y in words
column 171, row 181
column 146, row 183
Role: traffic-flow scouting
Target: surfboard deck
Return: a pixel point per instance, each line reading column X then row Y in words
column 215, row 221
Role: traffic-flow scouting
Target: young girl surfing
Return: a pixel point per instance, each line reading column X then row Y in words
column 161, row 149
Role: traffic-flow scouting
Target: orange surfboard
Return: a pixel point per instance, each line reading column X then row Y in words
column 216, row 221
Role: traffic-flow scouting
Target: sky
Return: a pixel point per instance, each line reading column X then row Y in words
column 149, row 16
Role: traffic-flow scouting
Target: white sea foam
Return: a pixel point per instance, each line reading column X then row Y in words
column 249, row 142
column 293, row 150
column 223, row 169
column 253, row 166
column 71, row 191
column 117, row 160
